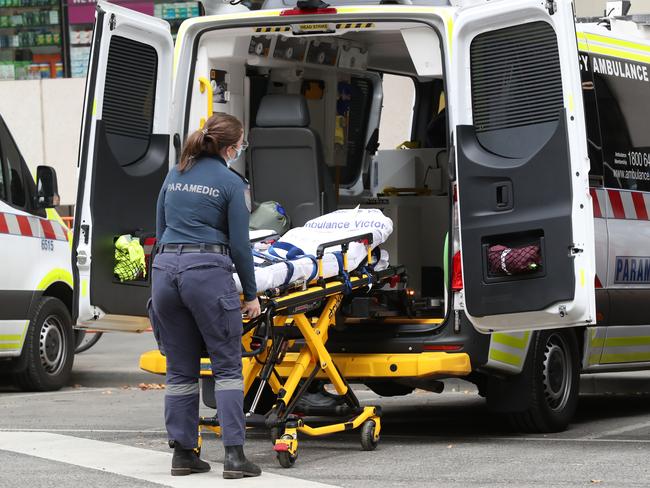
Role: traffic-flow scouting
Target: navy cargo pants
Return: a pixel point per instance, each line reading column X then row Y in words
column 195, row 301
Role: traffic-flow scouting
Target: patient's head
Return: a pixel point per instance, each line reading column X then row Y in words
column 222, row 135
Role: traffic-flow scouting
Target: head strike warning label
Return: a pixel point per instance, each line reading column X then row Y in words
column 619, row 68
column 632, row 270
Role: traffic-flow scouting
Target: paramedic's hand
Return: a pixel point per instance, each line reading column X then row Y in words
column 251, row 309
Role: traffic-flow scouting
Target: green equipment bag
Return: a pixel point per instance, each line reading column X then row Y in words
column 270, row 216
column 129, row 259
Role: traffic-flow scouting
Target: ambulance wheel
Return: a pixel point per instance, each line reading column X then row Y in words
column 48, row 351
column 368, row 440
column 554, row 385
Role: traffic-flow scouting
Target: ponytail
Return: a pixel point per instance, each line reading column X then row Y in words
column 220, row 131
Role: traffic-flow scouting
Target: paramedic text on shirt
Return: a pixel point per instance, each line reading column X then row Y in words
column 202, row 229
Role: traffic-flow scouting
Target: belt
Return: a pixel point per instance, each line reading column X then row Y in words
column 188, row 248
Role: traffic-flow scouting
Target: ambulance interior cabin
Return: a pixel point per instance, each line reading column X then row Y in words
column 312, row 108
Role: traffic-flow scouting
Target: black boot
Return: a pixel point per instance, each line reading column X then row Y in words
column 187, row 461
column 236, row 465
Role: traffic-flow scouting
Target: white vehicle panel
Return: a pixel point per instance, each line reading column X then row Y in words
column 147, row 31
column 470, row 23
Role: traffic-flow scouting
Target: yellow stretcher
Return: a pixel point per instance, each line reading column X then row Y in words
column 302, row 318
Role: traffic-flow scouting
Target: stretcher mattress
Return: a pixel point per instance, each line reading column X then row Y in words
column 292, row 259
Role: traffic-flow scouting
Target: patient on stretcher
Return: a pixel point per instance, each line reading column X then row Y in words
column 291, row 260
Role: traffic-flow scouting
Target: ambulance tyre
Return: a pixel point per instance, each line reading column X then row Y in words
column 49, row 348
column 554, row 383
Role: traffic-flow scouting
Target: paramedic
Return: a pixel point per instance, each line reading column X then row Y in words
column 201, row 230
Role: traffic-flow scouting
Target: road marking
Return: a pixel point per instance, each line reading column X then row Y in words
column 133, row 462
column 34, row 396
column 89, row 431
column 620, row 430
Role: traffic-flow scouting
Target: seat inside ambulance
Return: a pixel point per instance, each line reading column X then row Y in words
column 319, row 110
column 285, row 160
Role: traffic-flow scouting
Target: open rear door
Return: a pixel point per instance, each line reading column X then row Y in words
column 123, row 160
column 526, row 217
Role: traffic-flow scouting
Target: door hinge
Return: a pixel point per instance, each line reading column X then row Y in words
column 551, row 6
column 112, row 22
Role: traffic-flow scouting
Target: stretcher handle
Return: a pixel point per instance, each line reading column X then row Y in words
column 204, row 84
column 320, row 251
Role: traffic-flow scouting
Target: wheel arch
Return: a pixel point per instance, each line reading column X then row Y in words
column 57, row 283
column 62, row 291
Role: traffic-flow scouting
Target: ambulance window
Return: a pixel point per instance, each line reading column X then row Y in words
column 623, row 95
column 129, row 94
column 397, row 111
column 517, row 99
column 594, row 142
column 16, row 177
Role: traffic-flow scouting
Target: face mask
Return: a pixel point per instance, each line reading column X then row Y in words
column 238, row 153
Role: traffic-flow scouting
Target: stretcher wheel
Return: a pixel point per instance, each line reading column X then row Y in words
column 368, row 440
column 286, row 460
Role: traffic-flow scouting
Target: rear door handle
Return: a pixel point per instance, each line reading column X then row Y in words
column 503, row 196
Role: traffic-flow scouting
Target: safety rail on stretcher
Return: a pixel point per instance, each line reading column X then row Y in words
column 270, row 341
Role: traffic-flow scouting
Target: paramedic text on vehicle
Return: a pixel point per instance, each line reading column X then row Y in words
column 202, row 221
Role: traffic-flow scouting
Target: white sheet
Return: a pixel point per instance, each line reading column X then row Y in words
column 330, row 227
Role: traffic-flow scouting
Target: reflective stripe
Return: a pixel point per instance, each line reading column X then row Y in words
column 178, row 390
column 10, row 337
column 619, row 344
column 620, row 341
column 629, row 357
column 512, row 340
column 508, row 351
column 228, row 384
column 613, row 47
column 505, row 357
column 55, row 276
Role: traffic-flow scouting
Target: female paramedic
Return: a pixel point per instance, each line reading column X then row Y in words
column 202, row 223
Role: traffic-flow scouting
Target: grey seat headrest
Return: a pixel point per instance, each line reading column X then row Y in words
column 283, row 111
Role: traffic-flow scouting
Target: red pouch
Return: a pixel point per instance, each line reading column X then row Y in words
column 508, row 261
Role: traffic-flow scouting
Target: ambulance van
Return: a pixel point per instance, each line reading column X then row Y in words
column 519, row 211
column 36, row 336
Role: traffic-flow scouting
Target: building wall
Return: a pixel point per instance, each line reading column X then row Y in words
column 45, row 116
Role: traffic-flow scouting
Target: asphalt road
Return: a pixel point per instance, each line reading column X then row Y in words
column 104, row 431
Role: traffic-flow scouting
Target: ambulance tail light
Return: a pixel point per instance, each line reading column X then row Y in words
column 457, row 273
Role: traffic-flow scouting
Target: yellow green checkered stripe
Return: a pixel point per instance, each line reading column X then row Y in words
column 12, row 341
column 610, row 46
column 508, row 350
column 618, row 345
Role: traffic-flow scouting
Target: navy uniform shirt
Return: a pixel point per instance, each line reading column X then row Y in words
column 207, row 205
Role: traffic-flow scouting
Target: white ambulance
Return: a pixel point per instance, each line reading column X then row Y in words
column 498, row 162
column 36, row 336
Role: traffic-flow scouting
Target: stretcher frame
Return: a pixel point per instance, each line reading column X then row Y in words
column 289, row 374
